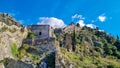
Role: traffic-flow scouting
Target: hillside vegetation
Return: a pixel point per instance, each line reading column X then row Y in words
column 88, row 48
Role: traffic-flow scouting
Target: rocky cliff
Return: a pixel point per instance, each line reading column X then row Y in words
column 11, row 32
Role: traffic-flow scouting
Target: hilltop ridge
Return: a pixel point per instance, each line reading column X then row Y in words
column 8, row 19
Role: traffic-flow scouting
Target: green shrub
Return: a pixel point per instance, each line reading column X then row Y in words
column 14, row 50
column 31, row 35
column 22, row 50
column 5, row 61
column 112, row 66
column 35, row 57
column 4, row 28
column 7, row 22
column 100, row 66
column 13, row 30
column 58, row 37
column 25, row 46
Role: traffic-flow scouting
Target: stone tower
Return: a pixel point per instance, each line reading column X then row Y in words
column 41, row 31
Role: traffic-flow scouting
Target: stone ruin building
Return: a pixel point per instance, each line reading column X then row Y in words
column 43, row 36
column 41, row 31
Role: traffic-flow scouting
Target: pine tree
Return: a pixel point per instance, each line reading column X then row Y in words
column 117, row 37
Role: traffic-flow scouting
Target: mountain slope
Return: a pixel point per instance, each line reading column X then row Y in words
column 88, row 48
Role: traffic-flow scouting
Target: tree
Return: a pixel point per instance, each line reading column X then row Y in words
column 74, row 40
column 117, row 44
column 78, row 25
column 108, row 49
column 117, row 37
column 97, row 28
column 72, row 23
column 68, row 42
column 32, row 36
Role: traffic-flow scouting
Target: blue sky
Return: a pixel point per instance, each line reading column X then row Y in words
column 102, row 13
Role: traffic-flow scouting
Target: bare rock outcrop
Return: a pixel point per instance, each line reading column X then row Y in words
column 9, row 35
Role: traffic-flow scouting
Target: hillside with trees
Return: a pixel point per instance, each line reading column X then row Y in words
column 87, row 48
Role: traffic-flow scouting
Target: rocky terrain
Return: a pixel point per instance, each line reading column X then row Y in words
column 10, row 34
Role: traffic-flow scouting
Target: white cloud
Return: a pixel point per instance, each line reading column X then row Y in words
column 81, row 22
column 77, row 16
column 102, row 18
column 91, row 25
column 52, row 21
column 101, row 30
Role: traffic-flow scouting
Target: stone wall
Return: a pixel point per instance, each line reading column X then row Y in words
column 38, row 41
